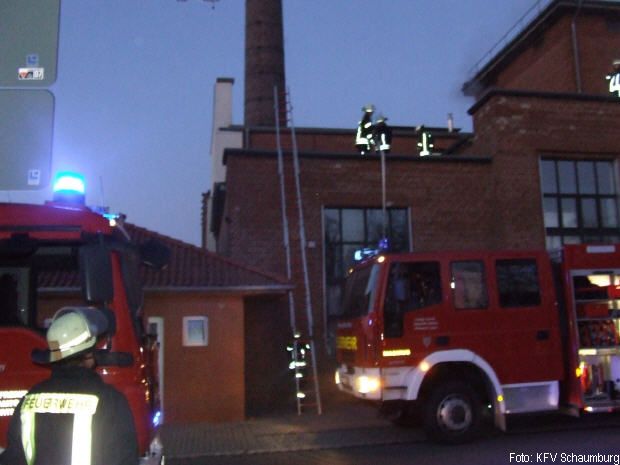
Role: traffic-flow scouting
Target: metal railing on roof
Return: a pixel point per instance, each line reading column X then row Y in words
column 519, row 26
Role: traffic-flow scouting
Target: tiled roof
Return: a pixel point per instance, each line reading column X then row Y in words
column 192, row 267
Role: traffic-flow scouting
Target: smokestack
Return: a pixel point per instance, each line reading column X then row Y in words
column 264, row 62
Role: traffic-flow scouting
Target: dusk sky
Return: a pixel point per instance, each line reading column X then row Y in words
column 134, row 92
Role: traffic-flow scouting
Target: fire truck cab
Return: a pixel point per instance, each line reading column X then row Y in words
column 450, row 339
column 61, row 254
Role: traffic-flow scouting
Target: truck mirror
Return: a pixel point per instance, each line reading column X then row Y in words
column 155, row 254
column 96, row 273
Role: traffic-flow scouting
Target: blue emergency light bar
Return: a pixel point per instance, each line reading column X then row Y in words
column 69, row 188
column 69, row 182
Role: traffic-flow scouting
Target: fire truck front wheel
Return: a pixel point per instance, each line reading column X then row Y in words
column 452, row 413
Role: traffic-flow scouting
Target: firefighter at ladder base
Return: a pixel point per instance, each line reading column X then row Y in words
column 73, row 417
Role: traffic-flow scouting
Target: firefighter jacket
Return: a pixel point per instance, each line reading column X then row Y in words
column 363, row 137
column 72, row 418
column 383, row 136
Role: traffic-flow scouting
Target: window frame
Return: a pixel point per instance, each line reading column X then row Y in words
column 483, row 281
column 556, row 202
column 516, row 261
column 335, row 257
column 190, row 339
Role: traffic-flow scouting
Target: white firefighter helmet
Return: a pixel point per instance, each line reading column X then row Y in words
column 370, row 108
column 73, row 331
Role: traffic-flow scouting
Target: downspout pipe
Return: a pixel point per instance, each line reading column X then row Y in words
column 576, row 59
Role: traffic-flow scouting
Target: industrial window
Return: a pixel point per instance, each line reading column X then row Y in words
column 468, row 283
column 517, row 283
column 348, row 230
column 580, row 201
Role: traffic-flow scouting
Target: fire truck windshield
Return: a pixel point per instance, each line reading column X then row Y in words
column 360, row 291
column 29, row 284
column 36, row 281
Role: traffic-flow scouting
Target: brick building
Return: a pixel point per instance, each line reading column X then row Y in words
column 539, row 169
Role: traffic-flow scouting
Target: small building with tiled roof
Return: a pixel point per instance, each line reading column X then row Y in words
column 208, row 312
column 220, row 360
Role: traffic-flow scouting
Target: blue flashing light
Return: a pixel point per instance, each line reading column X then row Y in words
column 68, row 182
column 157, row 418
column 69, row 188
column 362, row 254
column 384, row 244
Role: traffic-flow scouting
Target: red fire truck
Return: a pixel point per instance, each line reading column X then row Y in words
column 65, row 254
column 451, row 339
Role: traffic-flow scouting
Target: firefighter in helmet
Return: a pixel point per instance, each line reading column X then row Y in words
column 364, row 136
column 614, row 78
column 383, row 135
column 73, row 417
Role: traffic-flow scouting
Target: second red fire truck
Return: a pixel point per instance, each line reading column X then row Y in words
column 453, row 339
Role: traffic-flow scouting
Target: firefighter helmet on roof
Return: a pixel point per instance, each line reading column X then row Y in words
column 73, row 331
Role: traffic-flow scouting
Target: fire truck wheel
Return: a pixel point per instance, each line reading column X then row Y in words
column 452, row 413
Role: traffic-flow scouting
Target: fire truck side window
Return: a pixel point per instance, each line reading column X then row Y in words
column 468, row 282
column 412, row 286
column 517, row 283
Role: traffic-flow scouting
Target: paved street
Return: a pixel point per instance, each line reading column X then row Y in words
column 532, row 446
column 354, row 435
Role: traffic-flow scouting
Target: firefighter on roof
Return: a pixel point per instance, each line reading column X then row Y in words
column 614, row 78
column 364, row 136
column 73, row 417
column 383, row 134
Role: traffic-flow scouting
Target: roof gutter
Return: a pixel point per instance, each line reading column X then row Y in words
column 267, row 289
column 277, row 289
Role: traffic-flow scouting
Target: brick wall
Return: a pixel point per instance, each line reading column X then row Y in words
column 546, row 59
column 338, row 141
column 450, row 200
column 518, row 130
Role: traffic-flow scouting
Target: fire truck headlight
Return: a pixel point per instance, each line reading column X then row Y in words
column 368, row 384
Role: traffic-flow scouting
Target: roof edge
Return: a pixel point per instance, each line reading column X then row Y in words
column 512, row 46
column 247, row 290
column 496, row 91
column 440, row 157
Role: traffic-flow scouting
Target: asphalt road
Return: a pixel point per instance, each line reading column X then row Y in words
column 537, row 440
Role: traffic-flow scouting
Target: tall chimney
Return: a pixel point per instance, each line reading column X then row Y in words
column 264, row 61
